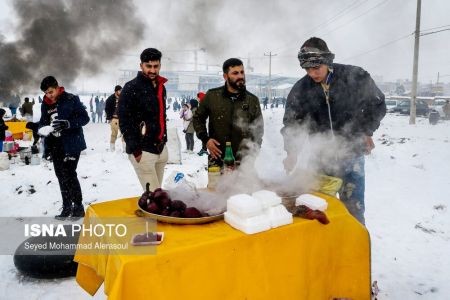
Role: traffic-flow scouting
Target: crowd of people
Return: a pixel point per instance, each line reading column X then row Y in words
column 341, row 101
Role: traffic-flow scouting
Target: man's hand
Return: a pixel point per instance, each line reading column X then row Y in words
column 213, row 149
column 59, row 125
column 290, row 162
column 369, row 145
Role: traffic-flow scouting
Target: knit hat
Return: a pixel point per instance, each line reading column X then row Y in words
column 193, row 103
column 314, row 52
column 200, row 96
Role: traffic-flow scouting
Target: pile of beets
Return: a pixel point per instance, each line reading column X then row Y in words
column 159, row 202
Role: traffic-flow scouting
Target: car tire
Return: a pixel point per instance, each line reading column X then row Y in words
column 46, row 263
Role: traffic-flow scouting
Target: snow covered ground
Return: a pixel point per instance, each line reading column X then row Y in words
column 407, row 202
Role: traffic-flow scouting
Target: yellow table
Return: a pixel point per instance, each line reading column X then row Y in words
column 18, row 128
column 303, row 260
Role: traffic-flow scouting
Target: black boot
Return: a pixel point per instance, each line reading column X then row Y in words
column 78, row 211
column 65, row 213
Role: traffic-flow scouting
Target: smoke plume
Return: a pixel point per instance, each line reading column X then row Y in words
column 65, row 39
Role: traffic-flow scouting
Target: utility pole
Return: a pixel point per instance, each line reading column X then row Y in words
column 269, row 85
column 412, row 113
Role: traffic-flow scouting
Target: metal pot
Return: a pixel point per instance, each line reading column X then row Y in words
column 25, row 153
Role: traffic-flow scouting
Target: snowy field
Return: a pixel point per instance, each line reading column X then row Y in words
column 407, row 202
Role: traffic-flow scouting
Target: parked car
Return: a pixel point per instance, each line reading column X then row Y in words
column 404, row 108
column 391, row 104
column 438, row 106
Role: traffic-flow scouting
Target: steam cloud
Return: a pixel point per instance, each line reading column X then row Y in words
column 64, row 39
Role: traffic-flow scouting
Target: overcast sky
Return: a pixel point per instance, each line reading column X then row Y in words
column 374, row 34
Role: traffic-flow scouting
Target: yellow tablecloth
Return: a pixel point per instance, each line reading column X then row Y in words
column 17, row 129
column 303, row 260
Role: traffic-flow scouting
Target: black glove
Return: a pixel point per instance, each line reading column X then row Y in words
column 59, row 125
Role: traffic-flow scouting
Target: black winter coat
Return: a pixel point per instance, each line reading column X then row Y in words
column 357, row 105
column 70, row 108
column 110, row 106
column 3, row 127
column 138, row 107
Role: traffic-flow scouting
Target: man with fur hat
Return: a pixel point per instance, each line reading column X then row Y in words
column 342, row 103
column 112, row 115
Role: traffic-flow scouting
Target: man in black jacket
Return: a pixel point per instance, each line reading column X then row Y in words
column 142, row 115
column 342, row 102
column 112, row 115
column 66, row 114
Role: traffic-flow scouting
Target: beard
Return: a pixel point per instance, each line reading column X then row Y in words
column 237, row 85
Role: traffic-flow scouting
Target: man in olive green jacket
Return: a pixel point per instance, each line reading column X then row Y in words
column 234, row 115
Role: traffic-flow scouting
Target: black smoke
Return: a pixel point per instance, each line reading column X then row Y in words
column 65, row 39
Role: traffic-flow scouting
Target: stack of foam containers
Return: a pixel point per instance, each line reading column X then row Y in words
column 273, row 209
column 259, row 212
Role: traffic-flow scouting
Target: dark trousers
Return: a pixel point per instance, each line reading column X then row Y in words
column 353, row 187
column 65, row 170
column 189, row 141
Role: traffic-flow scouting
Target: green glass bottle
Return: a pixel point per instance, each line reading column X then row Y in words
column 229, row 162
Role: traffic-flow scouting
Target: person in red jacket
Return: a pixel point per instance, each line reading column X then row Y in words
column 200, row 96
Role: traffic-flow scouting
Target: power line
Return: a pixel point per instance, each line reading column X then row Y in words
column 346, row 10
column 357, row 17
column 341, row 13
column 422, row 34
column 382, row 46
column 434, row 28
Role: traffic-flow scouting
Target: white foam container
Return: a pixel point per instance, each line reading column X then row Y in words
column 312, row 202
column 244, row 206
column 249, row 225
column 267, row 198
column 278, row 216
column 4, row 161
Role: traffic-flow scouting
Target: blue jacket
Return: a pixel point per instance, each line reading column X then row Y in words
column 70, row 108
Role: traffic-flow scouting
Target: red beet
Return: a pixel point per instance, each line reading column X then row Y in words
column 159, row 195
column 143, row 200
column 165, row 212
column 192, row 212
column 153, row 208
column 175, row 214
column 178, row 205
column 166, row 203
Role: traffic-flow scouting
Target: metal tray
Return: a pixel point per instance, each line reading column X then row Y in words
column 174, row 220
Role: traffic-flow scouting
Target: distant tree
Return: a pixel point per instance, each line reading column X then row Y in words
column 400, row 90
